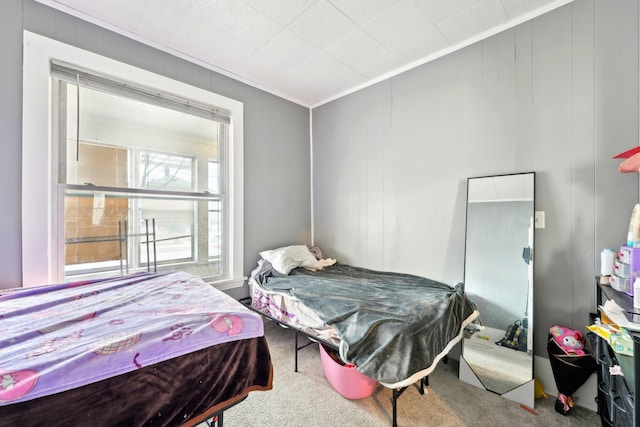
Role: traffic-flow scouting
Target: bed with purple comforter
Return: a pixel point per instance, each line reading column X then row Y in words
column 147, row 349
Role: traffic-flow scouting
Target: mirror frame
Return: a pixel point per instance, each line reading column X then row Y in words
column 523, row 393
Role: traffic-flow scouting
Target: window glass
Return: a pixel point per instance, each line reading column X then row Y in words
column 142, row 186
column 160, row 171
column 215, row 230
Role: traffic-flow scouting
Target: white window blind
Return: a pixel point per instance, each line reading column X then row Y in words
column 95, row 81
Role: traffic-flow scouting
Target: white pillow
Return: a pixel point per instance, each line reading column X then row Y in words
column 287, row 258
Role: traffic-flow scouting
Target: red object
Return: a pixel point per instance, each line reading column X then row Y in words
column 628, row 153
column 632, row 164
column 527, row 408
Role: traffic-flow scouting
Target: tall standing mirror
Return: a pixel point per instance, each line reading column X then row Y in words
column 498, row 277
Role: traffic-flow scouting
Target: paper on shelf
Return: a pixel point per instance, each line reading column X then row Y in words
column 604, row 330
column 618, row 316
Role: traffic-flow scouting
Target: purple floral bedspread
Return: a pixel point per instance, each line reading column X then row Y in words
column 57, row 337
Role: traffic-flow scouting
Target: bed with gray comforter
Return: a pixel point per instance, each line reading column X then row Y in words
column 393, row 327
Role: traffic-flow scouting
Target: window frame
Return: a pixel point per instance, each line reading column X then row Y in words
column 43, row 233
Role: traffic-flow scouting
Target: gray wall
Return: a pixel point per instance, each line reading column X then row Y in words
column 557, row 95
column 276, row 133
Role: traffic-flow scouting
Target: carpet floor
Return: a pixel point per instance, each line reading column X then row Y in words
column 305, row 398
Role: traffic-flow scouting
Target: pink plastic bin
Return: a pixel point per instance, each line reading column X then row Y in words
column 346, row 379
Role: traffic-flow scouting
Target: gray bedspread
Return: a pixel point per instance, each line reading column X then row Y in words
column 393, row 327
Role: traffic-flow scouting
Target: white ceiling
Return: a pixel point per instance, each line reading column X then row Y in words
column 307, row 51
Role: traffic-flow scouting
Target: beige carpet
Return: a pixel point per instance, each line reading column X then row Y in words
column 307, row 399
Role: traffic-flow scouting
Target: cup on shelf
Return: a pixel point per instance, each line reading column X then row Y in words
column 607, row 258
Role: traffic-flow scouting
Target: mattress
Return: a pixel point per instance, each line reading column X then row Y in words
column 288, row 310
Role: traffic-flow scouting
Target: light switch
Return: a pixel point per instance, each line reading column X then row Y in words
column 539, row 219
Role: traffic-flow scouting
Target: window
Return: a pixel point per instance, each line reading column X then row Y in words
column 143, row 172
column 126, row 143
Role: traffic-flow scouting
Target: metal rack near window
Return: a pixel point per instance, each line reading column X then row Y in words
column 148, row 239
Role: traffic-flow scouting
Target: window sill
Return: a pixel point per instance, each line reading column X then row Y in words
column 224, row 285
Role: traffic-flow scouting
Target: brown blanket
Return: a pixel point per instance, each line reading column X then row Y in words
column 182, row 391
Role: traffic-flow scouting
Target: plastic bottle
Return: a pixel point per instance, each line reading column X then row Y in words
column 636, row 294
column 633, row 236
column 607, row 257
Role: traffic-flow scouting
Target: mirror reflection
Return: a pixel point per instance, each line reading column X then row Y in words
column 498, row 348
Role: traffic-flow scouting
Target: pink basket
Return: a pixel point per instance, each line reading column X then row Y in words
column 345, row 378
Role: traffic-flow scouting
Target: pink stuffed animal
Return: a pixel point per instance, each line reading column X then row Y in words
column 570, row 340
